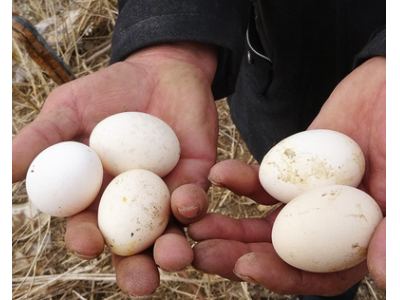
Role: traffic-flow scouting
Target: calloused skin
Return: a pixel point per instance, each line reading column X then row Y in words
column 357, row 107
column 172, row 82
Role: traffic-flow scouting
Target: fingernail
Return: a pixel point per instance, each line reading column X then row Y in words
column 217, row 184
column 245, row 278
column 189, row 211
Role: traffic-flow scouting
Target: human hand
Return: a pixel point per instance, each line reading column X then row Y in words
column 355, row 108
column 361, row 98
column 170, row 81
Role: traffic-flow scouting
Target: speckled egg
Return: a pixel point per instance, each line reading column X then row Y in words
column 309, row 159
column 133, row 211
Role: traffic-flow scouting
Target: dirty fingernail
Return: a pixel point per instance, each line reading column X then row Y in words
column 245, row 278
column 217, row 184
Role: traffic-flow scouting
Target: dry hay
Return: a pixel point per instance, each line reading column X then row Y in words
column 42, row 268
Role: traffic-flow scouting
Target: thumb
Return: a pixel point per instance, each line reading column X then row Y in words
column 44, row 131
column 240, row 178
column 267, row 269
column 377, row 255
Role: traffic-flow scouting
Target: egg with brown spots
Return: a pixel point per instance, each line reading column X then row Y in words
column 133, row 211
column 326, row 229
column 309, row 159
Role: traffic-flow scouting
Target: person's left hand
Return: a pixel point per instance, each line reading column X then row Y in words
column 241, row 249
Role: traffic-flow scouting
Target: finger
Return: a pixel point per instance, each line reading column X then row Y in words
column 240, row 178
column 267, row 269
column 137, row 275
column 377, row 255
column 216, row 226
column 189, row 203
column 26, row 145
column 172, row 252
column 219, row 257
column 82, row 236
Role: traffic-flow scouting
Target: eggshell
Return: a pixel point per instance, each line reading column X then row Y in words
column 133, row 211
column 326, row 229
column 309, row 159
column 135, row 140
column 64, row 179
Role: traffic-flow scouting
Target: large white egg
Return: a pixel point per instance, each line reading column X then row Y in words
column 133, row 211
column 326, row 229
column 64, row 179
column 135, row 140
column 309, row 159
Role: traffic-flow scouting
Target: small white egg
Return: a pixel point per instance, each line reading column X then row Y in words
column 326, row 229
column 135, row 140
column 64, row 179
column 133, row 211
column 309, row 159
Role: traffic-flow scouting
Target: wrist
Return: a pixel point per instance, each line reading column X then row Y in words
column 201, row 55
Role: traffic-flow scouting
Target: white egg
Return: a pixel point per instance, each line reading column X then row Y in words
column 326, row 229
column 309, row 159
column 64, row 179
column 135, row 140
column 133, row 211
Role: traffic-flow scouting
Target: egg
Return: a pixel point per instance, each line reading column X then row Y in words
column 326, row 229
column 309, row 159
column 133, row 211
column 64, row 179
column 135, row 140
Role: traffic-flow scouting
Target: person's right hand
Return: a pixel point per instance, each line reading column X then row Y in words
column 172, row 82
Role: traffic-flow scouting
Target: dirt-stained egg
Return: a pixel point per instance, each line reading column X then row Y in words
column 326, row 229
column 135, row 140
column 133, row 211
column 309, row 159
column 64, row 179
